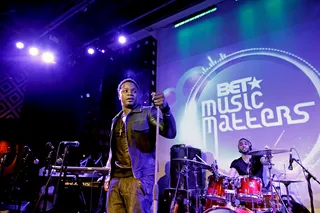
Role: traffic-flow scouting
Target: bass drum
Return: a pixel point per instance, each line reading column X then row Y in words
column 223, row 209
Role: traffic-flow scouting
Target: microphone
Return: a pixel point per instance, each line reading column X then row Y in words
column 49, row 144
column 71, row 143
column 36, row 161
column 290, row 160
column 59, row 161
column 27, row 148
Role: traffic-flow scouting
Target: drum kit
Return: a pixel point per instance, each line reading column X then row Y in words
column 242, row 194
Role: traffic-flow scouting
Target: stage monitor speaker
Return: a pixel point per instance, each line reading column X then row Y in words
column 190, row 180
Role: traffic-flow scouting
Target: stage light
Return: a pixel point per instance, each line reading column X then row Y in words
column 19, row 45
column 33, row 51
column 195, row 16
column 48, row 57
column 102, row 51
column 122, row 39
column 91, row 51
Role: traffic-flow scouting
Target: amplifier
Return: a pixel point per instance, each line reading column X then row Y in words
column 193, row 181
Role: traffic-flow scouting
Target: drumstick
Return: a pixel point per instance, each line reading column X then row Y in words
column 201, row 159
column 279, row 138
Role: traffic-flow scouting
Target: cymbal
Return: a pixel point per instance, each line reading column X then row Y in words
column 267, row 151
column 198, row 165
column 287, row 181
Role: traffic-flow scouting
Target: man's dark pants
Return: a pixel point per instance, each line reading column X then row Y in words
column 130, row 195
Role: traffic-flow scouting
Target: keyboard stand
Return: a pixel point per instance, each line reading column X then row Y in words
column 80, row 191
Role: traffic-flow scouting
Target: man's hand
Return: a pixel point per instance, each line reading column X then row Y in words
column 106, row 185
column 159, row 100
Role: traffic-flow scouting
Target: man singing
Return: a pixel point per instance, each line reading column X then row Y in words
column 132, row 150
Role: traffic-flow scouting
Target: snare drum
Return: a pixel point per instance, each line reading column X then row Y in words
column 222, row 209
column 250, row 189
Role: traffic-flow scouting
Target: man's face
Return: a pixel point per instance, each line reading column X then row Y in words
column 244, row 146
column 128, row 94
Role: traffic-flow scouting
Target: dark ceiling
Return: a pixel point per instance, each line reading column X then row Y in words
column 72, row 24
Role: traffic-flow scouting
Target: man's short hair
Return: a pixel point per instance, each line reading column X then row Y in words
column 125, row 81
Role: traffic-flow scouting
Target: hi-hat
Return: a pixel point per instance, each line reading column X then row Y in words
column 267, row 151
column 196, row 164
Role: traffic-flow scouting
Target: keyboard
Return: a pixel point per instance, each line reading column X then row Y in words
column 81, row 169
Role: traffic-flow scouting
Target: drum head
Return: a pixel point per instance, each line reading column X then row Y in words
column 227, row 210
column 219, row 210
column 249, row 177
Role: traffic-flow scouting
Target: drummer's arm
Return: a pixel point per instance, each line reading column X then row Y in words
column 233, row 172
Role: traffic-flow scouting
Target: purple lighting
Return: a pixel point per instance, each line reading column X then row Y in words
column 33, row 51
column 48, row 57
column 122, row 39
column 91, row 51
column 19, row 45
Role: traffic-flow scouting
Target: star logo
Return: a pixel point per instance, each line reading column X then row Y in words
column 255, row 83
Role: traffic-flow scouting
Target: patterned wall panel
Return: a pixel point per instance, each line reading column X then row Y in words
column 12, row 92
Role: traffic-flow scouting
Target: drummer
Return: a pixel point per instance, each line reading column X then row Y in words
column 247, row 164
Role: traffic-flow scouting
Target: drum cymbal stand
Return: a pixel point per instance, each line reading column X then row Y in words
column 195, row 173
column 280, row 198
column 289, row 209
column 184, row 171
column 268, row 157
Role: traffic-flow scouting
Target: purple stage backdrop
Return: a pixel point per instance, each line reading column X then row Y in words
column 264, row 87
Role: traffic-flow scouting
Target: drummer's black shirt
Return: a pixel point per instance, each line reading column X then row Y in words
column 256, row 168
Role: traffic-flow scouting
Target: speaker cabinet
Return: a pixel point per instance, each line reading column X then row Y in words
column 194, row 178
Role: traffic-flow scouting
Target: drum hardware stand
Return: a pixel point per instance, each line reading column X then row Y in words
column 268, row 157
column 230, row 193
column 289, row 209
column 308, row 177
column 184, row 171
column 197, row 186
column 283, row 204
column 273, row 203
column 195, row 172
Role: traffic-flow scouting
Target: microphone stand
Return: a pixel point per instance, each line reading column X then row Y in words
column 63, row 170
column 155, row 186
column 15, row 182
column 308, row 177
column 48, row 169
column 3, row 160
